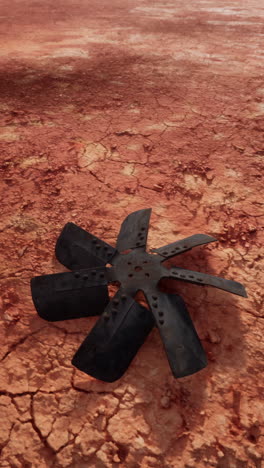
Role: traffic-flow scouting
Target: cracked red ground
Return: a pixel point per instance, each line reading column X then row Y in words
column 107, row 108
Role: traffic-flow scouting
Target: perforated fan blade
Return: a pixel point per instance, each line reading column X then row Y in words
column 124, row 324
column 115, row 339
column 181, row 342
column 183, row 245
column 196, row 277
column 77, row 248
column 134, row 231
column 70, row 295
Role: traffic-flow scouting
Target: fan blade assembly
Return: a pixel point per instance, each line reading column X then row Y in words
column 124, row 324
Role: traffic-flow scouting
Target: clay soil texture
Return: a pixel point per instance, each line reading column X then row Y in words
column 108, row 107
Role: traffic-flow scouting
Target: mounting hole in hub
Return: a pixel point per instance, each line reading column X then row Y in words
column 138, row 268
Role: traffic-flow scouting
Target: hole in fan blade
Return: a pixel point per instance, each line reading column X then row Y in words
column 113, row 288
column 138, row 268
column 147, row 274
column 141, row 299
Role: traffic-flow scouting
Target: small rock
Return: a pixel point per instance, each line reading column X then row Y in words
column 165, row 402
column 220, row 454
column 21, row 251
column 158, row 187
column 252, row 228
column 214, row 337
column 11, row 315
column 101, row 423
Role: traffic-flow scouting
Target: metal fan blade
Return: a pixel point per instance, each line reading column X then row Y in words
column 70, row 295
column 77, row 248
column 115, row 339
column 181, row 342
column 178, row 247
column 204, row 279
column 134, row 230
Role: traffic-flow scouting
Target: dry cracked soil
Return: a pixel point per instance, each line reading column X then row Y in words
column 109, row 107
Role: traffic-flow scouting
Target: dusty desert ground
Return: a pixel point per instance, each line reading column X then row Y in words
column 109, row 107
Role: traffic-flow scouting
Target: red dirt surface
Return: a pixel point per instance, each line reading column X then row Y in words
column 109, row 107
